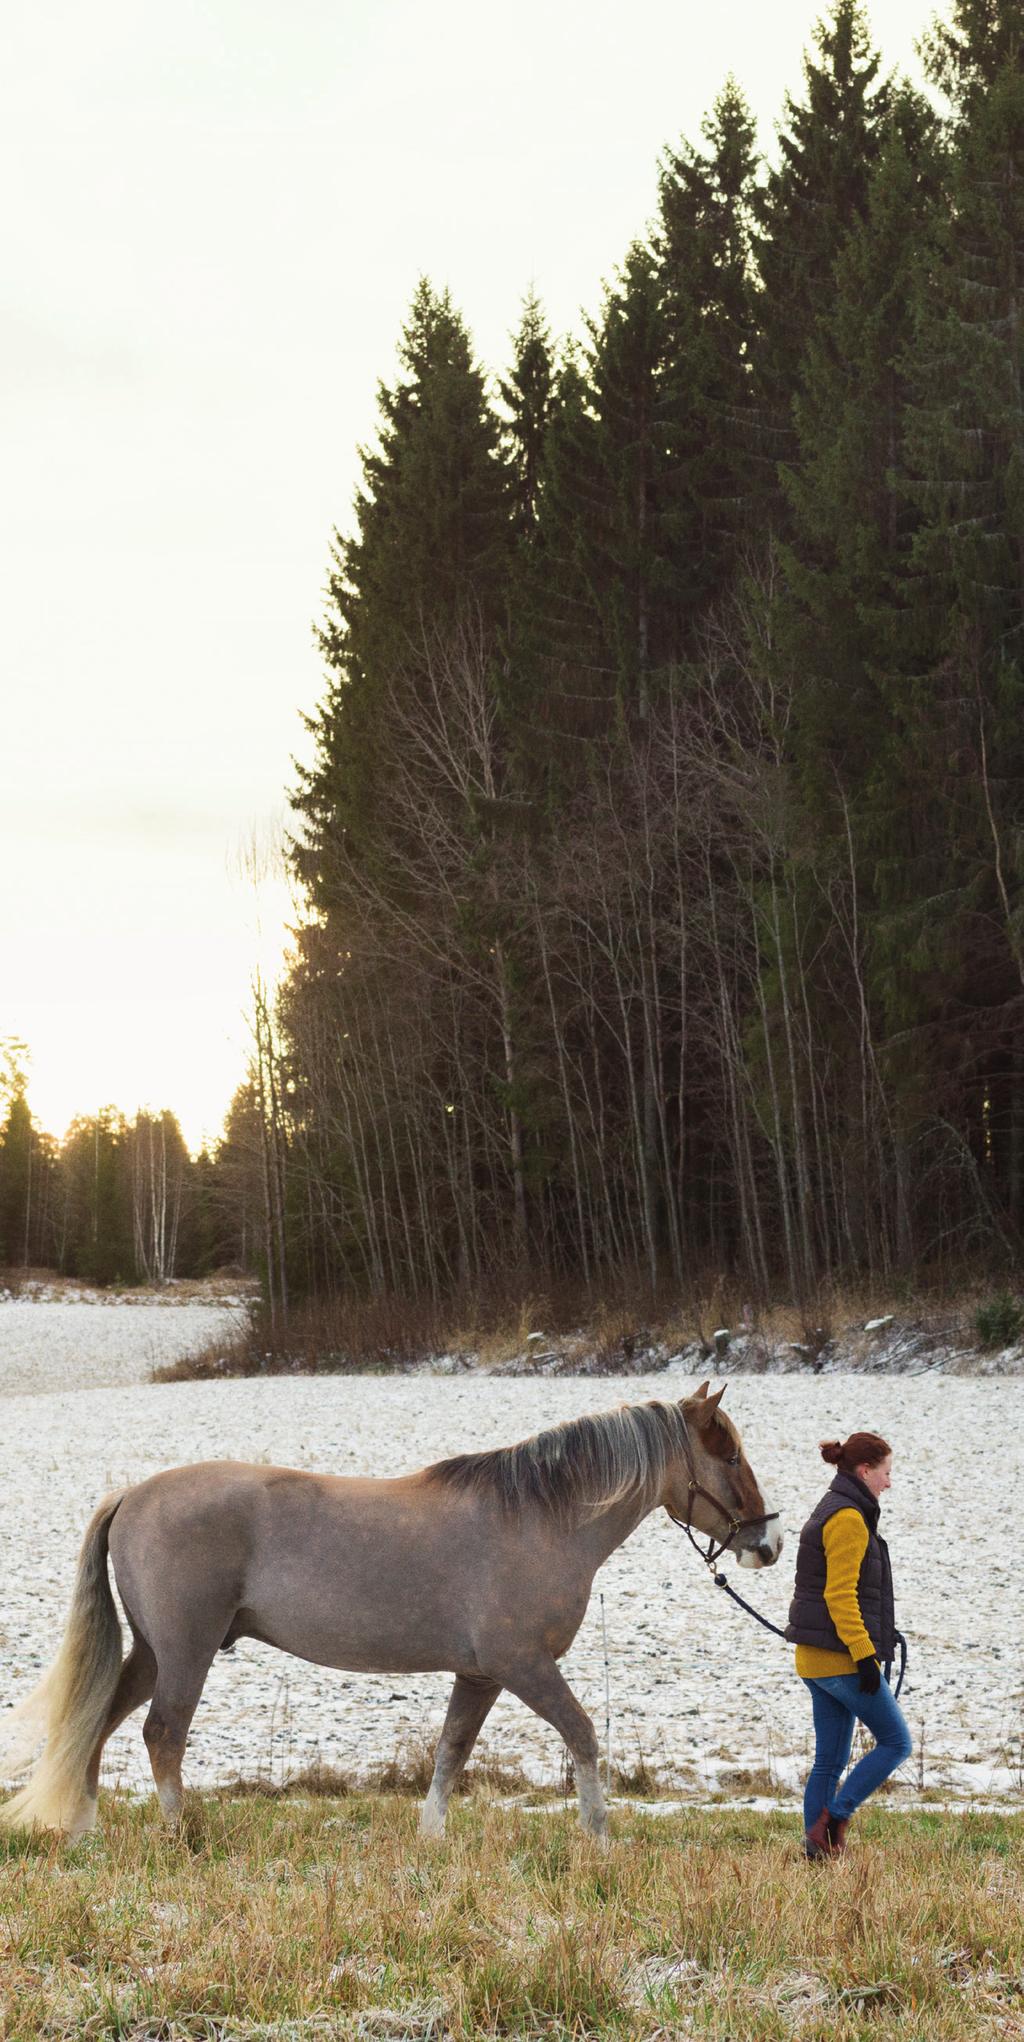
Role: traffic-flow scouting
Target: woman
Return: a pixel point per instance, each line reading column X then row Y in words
column 842, row 1621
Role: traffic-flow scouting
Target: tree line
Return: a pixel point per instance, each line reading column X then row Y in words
column 121, row 1200
column 663, row 845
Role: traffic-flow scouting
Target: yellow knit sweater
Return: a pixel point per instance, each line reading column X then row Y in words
column 845, row 1539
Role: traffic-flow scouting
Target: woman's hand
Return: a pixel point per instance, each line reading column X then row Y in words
column 870, row 1674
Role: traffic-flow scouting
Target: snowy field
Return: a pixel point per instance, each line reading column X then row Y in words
column 695, row 1685
column 98, row 1343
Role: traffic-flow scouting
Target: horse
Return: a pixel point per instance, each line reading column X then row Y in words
column 480, row 1566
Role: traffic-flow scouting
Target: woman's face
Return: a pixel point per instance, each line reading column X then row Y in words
column 877, row 1479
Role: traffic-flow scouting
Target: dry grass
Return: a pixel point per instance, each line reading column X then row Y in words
column 385, row 1333
column 612, row 1332
column 496, row 1337
column 316, row 1917
column 408, row 1771
column 378, row 1334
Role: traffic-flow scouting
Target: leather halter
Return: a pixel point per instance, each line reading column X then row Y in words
column 736, row 1524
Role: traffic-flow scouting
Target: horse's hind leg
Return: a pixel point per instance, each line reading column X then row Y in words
column 135, row 1685
column 470, row 1701
column 179, row 1684
column 545, row 1690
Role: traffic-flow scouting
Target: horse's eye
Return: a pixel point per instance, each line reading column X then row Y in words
column 734, row 1460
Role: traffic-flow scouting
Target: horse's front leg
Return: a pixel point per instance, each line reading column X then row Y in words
column 470, row 1701
column 544, row 1689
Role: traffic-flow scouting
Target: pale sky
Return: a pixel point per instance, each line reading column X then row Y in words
column 216, row 215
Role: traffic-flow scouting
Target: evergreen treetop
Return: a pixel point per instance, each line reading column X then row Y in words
column 528, row 394
column 430, row 553
column 828, row 144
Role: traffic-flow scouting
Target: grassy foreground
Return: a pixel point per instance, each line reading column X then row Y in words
column 309, row 1918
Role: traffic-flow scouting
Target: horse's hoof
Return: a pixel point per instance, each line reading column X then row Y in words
column 82, row 1821
column 172, row 1808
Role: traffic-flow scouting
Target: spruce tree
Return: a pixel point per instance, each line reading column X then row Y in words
column 528, row 393
column 603, row 599
column 964, row 595
column 429, row 555
column 836, row 633
column 828, row 144
column 17, row 1140
column 703, row 246
column 849, row 517
column 98, row 1225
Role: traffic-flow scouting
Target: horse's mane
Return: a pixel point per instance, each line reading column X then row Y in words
column 579, row 1464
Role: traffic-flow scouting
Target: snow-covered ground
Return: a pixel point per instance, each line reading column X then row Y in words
column 94, row 1342
column 694, row 1684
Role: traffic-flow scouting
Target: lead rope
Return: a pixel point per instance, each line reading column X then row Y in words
column 721, row 1582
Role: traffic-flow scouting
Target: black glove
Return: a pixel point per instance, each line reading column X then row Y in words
column 870, row 1675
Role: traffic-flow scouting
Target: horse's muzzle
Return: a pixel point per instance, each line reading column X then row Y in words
column 762, row 1552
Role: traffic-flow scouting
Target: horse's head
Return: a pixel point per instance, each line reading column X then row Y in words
column 714, row 1490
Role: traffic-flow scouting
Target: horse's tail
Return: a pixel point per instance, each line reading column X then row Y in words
column 72, row 1700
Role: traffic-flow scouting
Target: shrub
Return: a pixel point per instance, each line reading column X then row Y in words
column 1000, row 1320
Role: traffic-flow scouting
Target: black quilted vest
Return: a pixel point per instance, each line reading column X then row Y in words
column 809, row 1620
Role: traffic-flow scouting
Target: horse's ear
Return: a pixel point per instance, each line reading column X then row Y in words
column 708, row 1406
column 702, row 1392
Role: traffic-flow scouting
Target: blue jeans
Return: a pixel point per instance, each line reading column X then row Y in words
column 838, row 1703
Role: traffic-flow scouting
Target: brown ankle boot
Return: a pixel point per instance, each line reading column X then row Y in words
column 818, row 1840
column 837, row 1828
